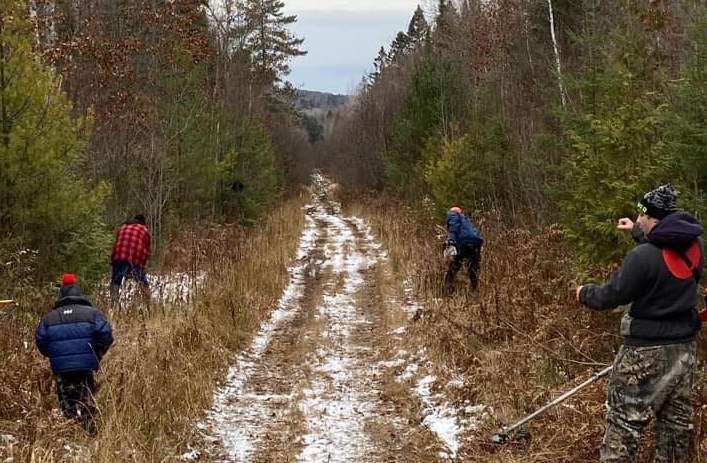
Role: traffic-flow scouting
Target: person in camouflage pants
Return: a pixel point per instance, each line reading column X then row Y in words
column 650, row 382
column 653, row 371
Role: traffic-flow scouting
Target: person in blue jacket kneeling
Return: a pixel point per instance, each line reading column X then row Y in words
column 75, row 336
column 466, row 240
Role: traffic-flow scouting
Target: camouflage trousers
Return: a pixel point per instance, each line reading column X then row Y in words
column 650, row 383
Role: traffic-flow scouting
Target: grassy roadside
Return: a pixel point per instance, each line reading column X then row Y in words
column 520, row 342
column 158, row 378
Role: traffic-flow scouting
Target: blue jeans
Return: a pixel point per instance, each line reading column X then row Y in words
column 121, row 269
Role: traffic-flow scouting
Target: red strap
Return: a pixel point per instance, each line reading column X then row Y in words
column 678, row 265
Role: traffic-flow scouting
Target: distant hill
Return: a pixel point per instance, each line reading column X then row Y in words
column 309, row 99
column 319, row 112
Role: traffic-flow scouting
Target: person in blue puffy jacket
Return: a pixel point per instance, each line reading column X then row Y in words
column 74, row 336
column 466, row 239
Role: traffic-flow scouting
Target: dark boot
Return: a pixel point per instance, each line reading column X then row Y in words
column 474, row 279
column 449, row 282
column 88, row 423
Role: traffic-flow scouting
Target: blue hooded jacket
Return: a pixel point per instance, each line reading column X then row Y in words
column 74, row 335
column 461, row 229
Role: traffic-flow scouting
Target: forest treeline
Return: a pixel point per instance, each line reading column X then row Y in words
column 548, row 111
column 108, row 108
column 551, row 111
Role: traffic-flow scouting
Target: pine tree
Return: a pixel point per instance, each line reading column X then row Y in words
column 379, row 64
column 270, row 42
column 617, row 131
column 686, row 125
column 399, row 48
column 418, row 29
column 432, row 106
column 45, row 204
column 444, row 26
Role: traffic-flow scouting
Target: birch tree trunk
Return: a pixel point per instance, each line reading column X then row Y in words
column 558, row 65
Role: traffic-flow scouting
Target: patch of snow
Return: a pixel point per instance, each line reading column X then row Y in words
column 191, row 455
column 174, row 288
column 334, row 406
column 475, row 410
column 456, row 383
column 409, row 372
column 389, row 364
column 236, row 419
column 439, row 418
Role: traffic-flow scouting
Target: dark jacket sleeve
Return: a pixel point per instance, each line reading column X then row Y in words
column 102, row 335
column 623, row 286
column 41, row 339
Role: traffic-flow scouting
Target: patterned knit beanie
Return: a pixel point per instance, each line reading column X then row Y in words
column 660, row 202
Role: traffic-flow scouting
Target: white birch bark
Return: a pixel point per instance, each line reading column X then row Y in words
column 558, row 65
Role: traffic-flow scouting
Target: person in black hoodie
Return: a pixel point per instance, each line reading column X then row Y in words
column 653, row 370
column 75, row 336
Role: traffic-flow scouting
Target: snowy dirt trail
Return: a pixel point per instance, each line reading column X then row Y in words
column 316, row 383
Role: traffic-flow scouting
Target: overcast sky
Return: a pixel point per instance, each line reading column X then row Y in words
column 342, row 37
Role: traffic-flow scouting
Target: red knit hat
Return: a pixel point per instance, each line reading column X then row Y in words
column 68, row 279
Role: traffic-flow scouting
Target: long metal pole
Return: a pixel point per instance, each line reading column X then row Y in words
column 567, row 394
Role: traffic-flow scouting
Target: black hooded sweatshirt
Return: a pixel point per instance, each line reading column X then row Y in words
column 659, row 279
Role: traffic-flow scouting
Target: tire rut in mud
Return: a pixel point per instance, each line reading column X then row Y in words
column 320, row 391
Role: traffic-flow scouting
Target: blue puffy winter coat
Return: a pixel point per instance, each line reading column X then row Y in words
column 74, row 335
column 461, row 230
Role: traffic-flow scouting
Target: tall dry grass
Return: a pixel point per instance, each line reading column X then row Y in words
column 159, row 376
column 519, row 342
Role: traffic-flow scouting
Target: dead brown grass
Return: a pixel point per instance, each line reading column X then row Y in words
column 519, row 342
column 158, row 378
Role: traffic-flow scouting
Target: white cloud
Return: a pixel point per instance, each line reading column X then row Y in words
column 342, row 45
column 353, row 5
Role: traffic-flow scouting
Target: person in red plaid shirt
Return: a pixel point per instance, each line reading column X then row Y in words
column 131, row 251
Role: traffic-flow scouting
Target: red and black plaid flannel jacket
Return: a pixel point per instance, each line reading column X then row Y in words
column 132, row 243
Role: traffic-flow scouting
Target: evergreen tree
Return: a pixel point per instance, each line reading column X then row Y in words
column 686, row 125
column 616, row 134
column 443, row 37
column 270, row 42
column 418, row 29
column 399, row 48
column 315, row 131
column 250, row 161
column 432, row 106
column 45, row 203
column 379, row 64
